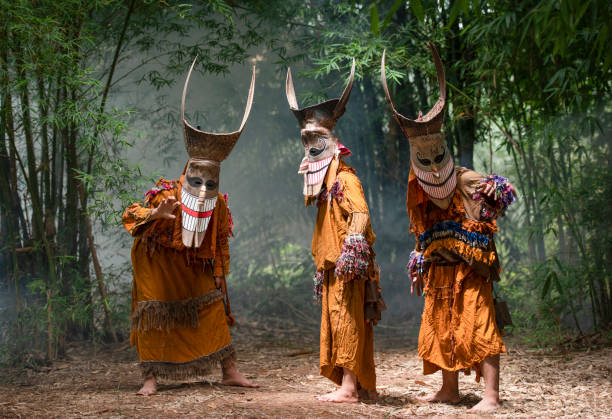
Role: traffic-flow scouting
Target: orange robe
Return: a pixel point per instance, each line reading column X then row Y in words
column 178, row 318
column 346, row 340
column 458, row 329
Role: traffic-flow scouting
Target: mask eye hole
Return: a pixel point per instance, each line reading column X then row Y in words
column 440, row 157
column 194, row 182
column 314, row 151
column 211, row 184
column 424, row 162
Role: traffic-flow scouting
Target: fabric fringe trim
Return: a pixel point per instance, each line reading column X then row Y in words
column 453, row 229
column 166, row 315
column 416, row 264
column 354, row 258
column 466, row 251
column 504, row 196
column 318, row 287
column 197, row 368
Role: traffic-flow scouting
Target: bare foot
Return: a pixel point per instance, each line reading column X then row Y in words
column 340, row 396
column 149, row 387
column 231, row 377
column 487, row 404
column 370, row 395
column 442, row 396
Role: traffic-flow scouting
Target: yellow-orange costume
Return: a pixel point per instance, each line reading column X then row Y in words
column 347, row 341
column 458, row 328
column 347, row 280
column 455, row 253
column 178, row 318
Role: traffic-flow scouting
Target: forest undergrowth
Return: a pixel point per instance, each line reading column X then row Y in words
column 282, row 356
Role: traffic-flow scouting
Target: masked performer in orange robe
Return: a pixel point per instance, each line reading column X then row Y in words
column 452, row 214
column 180, row 311
column 347, row 279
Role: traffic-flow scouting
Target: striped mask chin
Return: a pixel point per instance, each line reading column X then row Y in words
column 196, row 216
column 314, row 173
column 438, row 187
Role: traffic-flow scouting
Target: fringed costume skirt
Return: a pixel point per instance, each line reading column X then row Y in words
column 178, row 319
column 458, row 329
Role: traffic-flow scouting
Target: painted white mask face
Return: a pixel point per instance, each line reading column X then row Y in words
column 198, row 199
column 319, row 149
column 433, row 165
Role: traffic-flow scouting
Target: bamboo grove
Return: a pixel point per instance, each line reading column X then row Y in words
column 60, row 141
column 529, row 89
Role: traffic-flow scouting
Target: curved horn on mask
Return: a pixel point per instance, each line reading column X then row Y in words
column 341, row 106
column 208, row 145
column 185, row 88
column 290, row 91
column 439, row 106
column 431, row 122
column 383, row 77
column 249, row 103
column 325, row 113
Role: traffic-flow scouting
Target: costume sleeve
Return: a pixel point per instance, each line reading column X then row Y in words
column 356, row 255
column 135, row 218
column 479, row 207
column 222, row 253
column 352, row 196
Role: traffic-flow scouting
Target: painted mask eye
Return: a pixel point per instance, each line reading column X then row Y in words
column 440, row 157
column 194, row 181
column 211, row 184
column 314, row 151
column 424, row 162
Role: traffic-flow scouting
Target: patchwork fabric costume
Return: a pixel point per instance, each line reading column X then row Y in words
column 179, row 319
column 455, row 252
column 347, row 281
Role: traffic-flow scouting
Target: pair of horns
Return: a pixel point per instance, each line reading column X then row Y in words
column 431, row 123
column 334, row 106
column 207, row 145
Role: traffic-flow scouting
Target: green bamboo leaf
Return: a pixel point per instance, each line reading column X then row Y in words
column 453, row 14
column 546, row 286
column 557, row 283
column 391, row 12
column 374, row 19
column 417, row 9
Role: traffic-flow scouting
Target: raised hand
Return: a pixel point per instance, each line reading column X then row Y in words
column 487, row 189
column 165, row 209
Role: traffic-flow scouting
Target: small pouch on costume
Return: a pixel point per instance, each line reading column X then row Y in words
column 374, row 303
column 502, row 314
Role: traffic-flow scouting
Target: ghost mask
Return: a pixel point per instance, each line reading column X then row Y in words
column 430, row 156
column 200, row 186
column 321, row 147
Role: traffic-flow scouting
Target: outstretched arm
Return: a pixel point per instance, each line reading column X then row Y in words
column 497, row 195
column 136, row 216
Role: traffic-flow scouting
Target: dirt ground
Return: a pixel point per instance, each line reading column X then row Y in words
column 98, row 381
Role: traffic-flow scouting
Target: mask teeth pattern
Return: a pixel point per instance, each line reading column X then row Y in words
column 191, row 223
column 303, row 166
column 316, row 171
column 441, row 191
